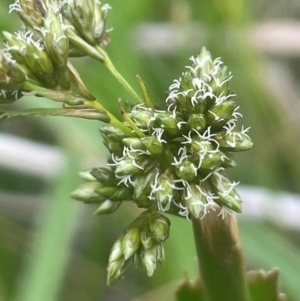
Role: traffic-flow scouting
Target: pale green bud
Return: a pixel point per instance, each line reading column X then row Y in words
column 32, row 12
column 219, row 83
column 17, row 47
column 113, row 133
column 86, row 175
column 104, row 175
column 86, row 193
column 195, row 198
column 143, row 183
column 218, row 115
column 160, row 227
column 170, row 124
column 112, row 146
column 234, row 141
column 148, row 258
column 224, row 189
column 115, row 270
column 186, row 170
column 164, row 190
column 131, row 242
column 88, row 17
column 152, row 145
column 146, row 238
column 132, row 142
column 116, row 250
column 55, row 39
column 11, row 77
column 204, row 64
column 107, row 207
column 141, row 117
column 196, row 122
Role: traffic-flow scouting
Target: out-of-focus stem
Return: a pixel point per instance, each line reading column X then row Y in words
column 110, row 66
column 113, row 120
column 220, row 257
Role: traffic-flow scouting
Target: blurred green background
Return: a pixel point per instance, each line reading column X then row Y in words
column 53, row 248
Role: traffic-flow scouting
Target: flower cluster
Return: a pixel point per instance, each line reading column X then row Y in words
column 172, row 160
column 36, row 59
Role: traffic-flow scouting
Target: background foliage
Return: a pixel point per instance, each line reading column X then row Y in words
column 52, row 248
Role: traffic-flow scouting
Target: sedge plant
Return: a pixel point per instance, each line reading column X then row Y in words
column 166, row 160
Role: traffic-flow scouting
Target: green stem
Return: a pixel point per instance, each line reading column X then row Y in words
column 113, row 120
column 101, row 55
column 66, row 112
column 220, row 257
column 109, row 64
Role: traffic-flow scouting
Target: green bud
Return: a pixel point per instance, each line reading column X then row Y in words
column 195, row 198
column 141, row 117
column 160, row 227
column 112, row 146
column 40, row 64
column 104, row 175
column 115, row 270
column 224, row 189
column 152, row 145
column 148, row 258
column 210, row 160
column 106, row 192
column 234, row 141
column 146, row 238
column 116, row 250
column 55, row 39
column 143, row 183
column 218, row 115
column 164, row 190
column 86, row 175
column 127, row 167
column 17, row 46
column 123, row 193
column 219, row 83
column 204, row 64
column 88, row 17
column 170, row 124
column 131, row 242
column 186, row 170
column 134, row 164
column 132, row 142
column 11, row 76
column 86, row 193
column 196, row 122
column 199, row 145
column 113, row 133
column 107, row 207
column 32, row 12
column 227, row 160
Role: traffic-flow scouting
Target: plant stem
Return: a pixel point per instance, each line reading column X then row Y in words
column 113, row 120
column 110, row 66
column 220, row 257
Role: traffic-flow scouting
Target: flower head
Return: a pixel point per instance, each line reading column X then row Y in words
column 174, row 160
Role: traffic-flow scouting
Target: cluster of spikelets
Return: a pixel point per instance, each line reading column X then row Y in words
column 36, row 59
column 173, row 161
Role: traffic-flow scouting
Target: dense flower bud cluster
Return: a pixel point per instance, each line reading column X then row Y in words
column 175, row 159
column 142, row 241
column 36, row 59
column 172, row 160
